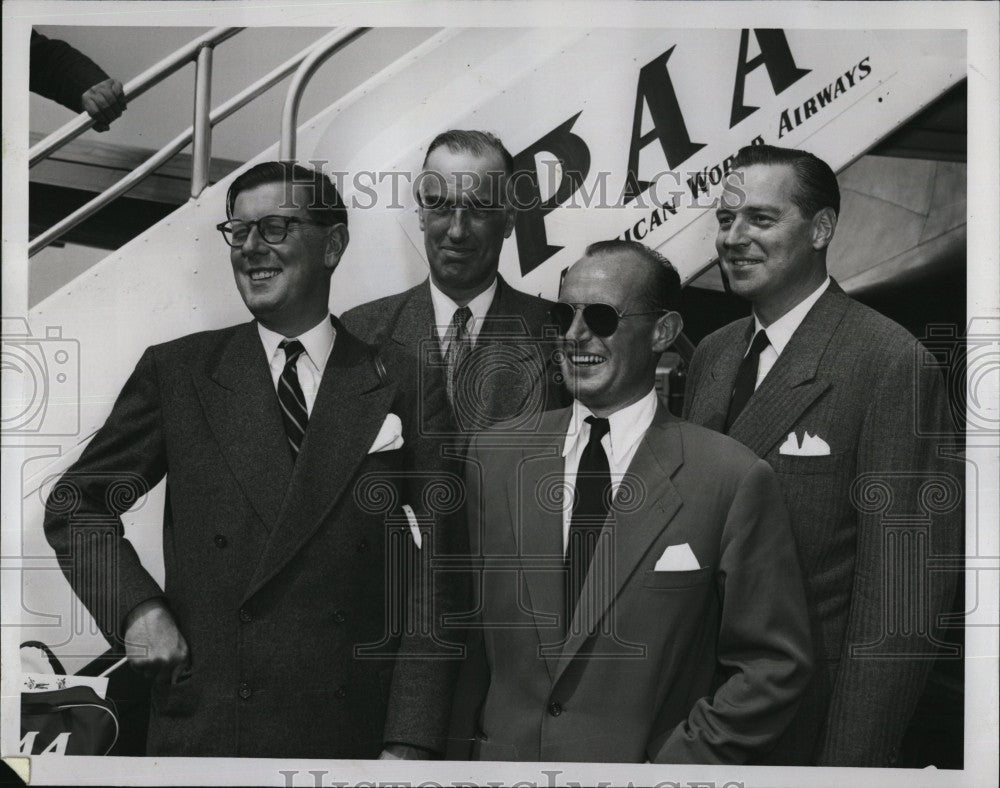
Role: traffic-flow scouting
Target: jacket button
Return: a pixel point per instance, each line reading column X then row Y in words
column 339, row 617
column 245, row 616
column 220, row 541
column 363, row 546
column 340, row 692
column 555, row 709
column 245, row 691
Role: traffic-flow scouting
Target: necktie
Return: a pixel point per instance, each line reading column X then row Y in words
column 590, row 509
column 457, row 338
column 746, row 378
column 293, row 403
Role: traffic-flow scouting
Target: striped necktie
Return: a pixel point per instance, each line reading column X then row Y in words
column 293, row 403
column 458, row 347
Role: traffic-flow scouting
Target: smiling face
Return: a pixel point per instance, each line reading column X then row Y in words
column 609, row 373
column 464, row 228
column 772, row 254
column 285, row 285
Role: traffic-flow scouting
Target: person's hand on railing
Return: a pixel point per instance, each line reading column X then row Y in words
column 104, row 102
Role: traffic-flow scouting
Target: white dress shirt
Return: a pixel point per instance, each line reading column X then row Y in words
column 444, row 311
column 779, row 333
column 317, row 341
column 628, row 426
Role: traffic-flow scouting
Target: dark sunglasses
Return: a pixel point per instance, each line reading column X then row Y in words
column 601, row 319
column 273, row 229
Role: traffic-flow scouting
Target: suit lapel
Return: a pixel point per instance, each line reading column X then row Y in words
column 794, row 382
column 240, row 405
column 502, row 318
column 415, row 321
column 630, row 532
column 499, row 347
column 351, row 405
column 712, row 401
column 538, row 534
column 414, row 329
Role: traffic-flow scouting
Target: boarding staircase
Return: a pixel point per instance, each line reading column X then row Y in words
column 581, row 108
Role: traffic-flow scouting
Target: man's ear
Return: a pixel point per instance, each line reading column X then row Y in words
column 336, row 243
column 666, row 330
column 824, row 225
column 420, row 219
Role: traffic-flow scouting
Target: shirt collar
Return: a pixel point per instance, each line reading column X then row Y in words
column 628, row 425
column 779, row 333
column 444, row 309
column 317, row 341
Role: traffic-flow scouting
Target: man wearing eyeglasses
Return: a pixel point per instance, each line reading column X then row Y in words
column 474, row 334
column 292, row 513
column 640, row 594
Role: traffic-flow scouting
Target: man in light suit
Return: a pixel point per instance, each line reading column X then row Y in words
column 475, row 335
column 288, row 452
column 665, row 547
column 838, row 400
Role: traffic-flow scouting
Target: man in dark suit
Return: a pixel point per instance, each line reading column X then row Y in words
column 665, row 546
column 475, row 335
column 838, row 400
column 288, row 452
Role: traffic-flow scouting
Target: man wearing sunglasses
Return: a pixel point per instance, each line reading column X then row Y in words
column 474, row 334
column 845, row 407
column 279, row 438
column 639, row 592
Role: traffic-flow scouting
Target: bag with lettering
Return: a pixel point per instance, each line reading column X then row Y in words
column 64, row 715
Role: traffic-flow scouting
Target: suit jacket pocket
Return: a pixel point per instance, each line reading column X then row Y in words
column 683, row 579
column 178, row 699
column 797, row 464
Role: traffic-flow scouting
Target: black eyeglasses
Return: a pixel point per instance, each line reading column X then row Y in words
column 273, row 229
column 601, row 319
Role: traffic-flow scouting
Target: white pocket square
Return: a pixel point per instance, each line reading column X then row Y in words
column 811, row 446
column 677, row 558
column 411, row 518
column 390, row 435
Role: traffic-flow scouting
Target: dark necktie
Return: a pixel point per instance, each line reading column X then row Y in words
column 590, row 510
column 293, row 403
column 746, row 378
column 457, row 338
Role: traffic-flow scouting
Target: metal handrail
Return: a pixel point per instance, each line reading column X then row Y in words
column 684, row 347
column 174, row 147
column 201, row 148
column 319, row 54
column 133, row 89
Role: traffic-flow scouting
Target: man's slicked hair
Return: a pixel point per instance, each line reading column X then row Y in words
column 816, row 185
column 479, row 143
column 326, row 205
column 664, row 290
